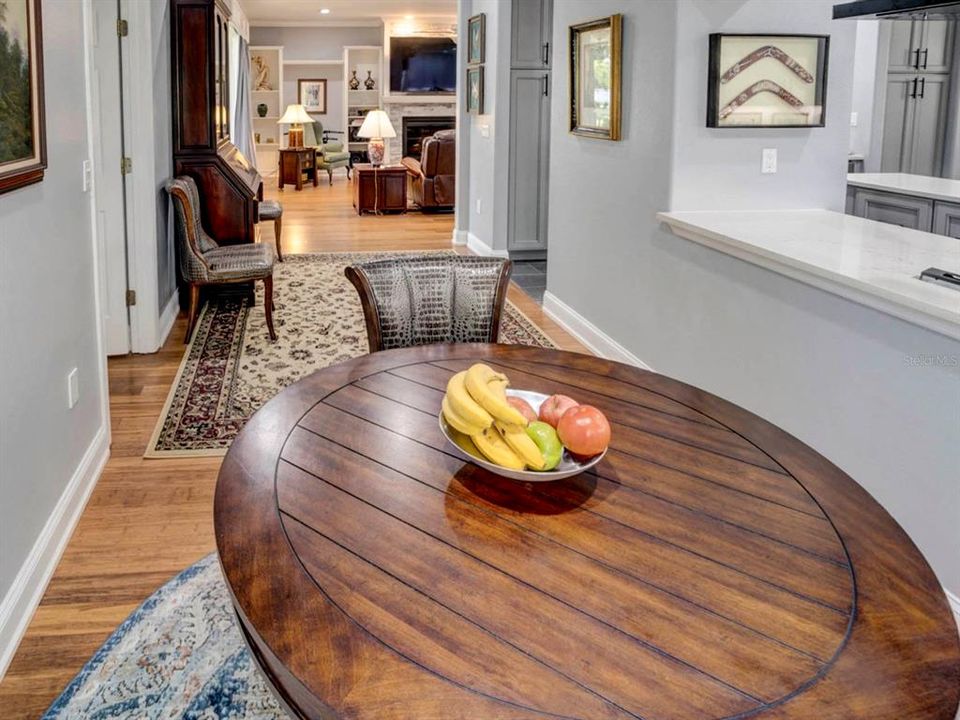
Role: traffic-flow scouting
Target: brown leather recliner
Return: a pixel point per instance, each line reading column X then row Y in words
column 433, row 177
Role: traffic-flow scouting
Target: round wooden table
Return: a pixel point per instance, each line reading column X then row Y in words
column 712, row 567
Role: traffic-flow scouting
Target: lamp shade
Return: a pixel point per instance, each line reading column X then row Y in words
column 376, row 125
column 295, row 114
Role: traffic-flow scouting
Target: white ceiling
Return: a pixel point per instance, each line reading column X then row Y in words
column 307, row 12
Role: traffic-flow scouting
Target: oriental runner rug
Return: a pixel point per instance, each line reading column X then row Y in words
column 230, row 369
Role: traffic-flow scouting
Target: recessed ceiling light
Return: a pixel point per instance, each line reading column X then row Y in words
column 408, row 17
column 324, row 11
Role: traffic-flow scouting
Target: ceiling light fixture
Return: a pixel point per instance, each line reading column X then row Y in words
column 324, row 11
column 408, row 17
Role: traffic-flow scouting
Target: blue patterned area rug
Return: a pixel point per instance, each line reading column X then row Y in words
column 179, row 655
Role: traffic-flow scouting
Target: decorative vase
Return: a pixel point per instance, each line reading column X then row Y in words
column 354, row 81
column 369, row 83
column 262, row 109
column 376, row 149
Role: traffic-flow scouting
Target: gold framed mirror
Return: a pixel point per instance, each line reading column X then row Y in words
column 595, row 78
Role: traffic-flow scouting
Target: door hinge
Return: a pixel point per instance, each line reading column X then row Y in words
column 126, row 165
column 131, row 298
column 123, row 29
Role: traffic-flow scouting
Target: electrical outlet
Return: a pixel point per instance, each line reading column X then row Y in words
column 479, row 205
column 768, row 164
column 73, row 388
column 87, row 175
column 854, row 118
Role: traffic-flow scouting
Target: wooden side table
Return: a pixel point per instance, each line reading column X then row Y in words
column 379, row 189
column 293, row 163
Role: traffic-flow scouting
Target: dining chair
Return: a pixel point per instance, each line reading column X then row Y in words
column 272, row 210
column 424, row 299
column 204, row 262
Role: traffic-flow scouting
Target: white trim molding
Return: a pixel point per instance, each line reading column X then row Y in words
column 20, row 602
column 597, row 341
column 168, row 317
column 479, row 247
column 955, row 606
column 459, row 237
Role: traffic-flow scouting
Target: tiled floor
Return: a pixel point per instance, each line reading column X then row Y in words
column 531, row 275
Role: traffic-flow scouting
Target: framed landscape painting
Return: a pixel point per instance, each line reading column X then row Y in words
column 767, row 81
column 313, row 95
column 23, row 145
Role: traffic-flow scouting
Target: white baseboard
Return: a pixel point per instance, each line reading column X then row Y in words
column 597, row 341
column 479, row 247
column 168, row 317
column 459, row 237
column 20, row 602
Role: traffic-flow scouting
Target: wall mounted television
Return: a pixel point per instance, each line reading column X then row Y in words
column 423, row 65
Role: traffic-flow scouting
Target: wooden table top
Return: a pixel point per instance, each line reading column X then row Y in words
column 712, row 567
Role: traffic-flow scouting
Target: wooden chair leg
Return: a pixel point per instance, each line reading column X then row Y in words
column 192, row 310
column 268, row 305
column 277, row 224
column 330, row 173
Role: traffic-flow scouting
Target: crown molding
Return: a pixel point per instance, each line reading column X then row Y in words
column 371, row 22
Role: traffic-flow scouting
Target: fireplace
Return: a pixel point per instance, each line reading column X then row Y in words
column 417, row 128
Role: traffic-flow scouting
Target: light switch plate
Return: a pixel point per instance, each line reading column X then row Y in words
column 479, row 205
column 854, row 118
column 485, row 130
column 768, row 163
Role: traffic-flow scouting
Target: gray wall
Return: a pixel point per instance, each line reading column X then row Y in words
column 162, row 143
column 719, row 169
column 489, row 161
column 47, row 314
column 864, row 88
column 839, row 376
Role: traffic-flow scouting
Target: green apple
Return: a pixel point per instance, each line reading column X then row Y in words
column 548, row 442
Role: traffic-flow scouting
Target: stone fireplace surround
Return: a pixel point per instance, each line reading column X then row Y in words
column 399, row 109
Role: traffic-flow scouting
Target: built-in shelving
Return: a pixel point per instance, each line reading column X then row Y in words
column 266, row 128
column 362, row 59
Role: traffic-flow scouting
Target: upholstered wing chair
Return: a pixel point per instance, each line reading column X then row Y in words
column 433, row 177
column 330, row 153
column 427, row 299
column 203, row 262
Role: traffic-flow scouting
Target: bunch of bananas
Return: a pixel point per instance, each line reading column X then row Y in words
column 476, row 405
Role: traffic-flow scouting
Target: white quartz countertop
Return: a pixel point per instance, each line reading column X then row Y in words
column 904, row 184
column 873, row 263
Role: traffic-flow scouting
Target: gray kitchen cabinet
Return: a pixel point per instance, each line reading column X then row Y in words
column 914, row 124
column 531, row 34
column 903, row 45
column 903, row 210
column 920, row 46
column 936, row 45
column 529, row 164
column 897, row 124
column 929, row 125
column 946, row 219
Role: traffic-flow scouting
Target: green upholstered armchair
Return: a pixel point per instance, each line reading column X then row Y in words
column 330, row 153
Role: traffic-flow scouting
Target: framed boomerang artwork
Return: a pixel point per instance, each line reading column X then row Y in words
column 770, row 81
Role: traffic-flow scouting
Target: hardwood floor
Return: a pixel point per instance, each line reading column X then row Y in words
column 149, row 519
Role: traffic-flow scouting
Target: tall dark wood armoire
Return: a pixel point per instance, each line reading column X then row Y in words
column 230, row 187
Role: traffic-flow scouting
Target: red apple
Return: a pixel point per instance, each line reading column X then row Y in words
column 584, row 431
column 523, row 406
column 554, row 407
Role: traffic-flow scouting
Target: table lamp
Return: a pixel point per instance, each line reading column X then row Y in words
column 295, row 116
column 376, row 126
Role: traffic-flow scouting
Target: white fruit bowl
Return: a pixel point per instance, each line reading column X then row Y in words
column 568, row 467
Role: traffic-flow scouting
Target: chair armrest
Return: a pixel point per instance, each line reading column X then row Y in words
column 332, row 146
column 413, row 166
